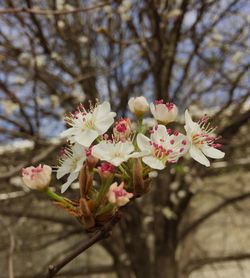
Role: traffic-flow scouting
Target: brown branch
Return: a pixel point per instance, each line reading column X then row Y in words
column 90, row 270
column 38, row 217
column 199, row 263
column 211, row 212
column 36, row 159
column 172, row 50
column 39, row 31
column 12, row 96
column 51, row 12
column 100, row 235
column 229, row 131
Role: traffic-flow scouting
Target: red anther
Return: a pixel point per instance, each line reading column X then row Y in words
column 172, row 141
column 169, row 106
column 169, row 131
column 169, row 151
column 181, row 150
column 176, row 133
column 184, row 142
column 156, row 102
column 121, row 127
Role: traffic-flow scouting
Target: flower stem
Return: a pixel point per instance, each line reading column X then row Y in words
column 103, row 190
column 106, row 209
column 58, row 198
column 123, row 170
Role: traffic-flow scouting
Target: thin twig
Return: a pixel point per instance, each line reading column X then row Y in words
column 50, row 12
column 101, row 234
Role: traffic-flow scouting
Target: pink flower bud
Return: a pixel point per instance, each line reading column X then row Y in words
column 117, row 195
column 164, row 112
column 122, row 129
column 138, row 105
column 37, row 178
column 106, row 170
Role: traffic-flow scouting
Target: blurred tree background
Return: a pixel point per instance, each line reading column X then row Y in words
column 56, row 53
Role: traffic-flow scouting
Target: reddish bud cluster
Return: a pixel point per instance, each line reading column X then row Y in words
column 106, row 170
column 122, row 129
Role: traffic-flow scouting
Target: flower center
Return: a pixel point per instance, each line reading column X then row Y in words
column 120, row 192
column 206, row 136
column 160, row 152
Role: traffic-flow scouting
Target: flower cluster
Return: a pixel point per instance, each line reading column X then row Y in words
column 121, row 155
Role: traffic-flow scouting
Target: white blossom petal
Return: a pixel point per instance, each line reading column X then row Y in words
column 116, row 161
column 143, row 142
column 102, row 150
column 152, row 108
column 102, row 110
column 69, row 132
column 63, row 169
column 190, row 126
column 104, row 124
column 86, row 137
column 160, row 134
column 73, row 176
column 125, row 147
column 114, row 153
column 212, row 152
column 153, row 162
column 199, row 156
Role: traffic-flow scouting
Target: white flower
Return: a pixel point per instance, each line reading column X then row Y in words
column 202, row 140
column 164, row 112
column 37, row 178
column 138, row 105
column 162, row 147
column 117, row 195
column 71, row 163
column 114, row 153
column 87, row 126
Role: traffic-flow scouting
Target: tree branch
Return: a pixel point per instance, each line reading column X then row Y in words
column 101, row 234
column 51, row 12
column 211, row 212
column 199, row 263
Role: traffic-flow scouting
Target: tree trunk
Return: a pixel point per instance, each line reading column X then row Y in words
column 165, row 246
column 135, row 242
column 165, row 231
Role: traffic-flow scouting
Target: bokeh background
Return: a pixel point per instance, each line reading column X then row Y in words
column 56, row 53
